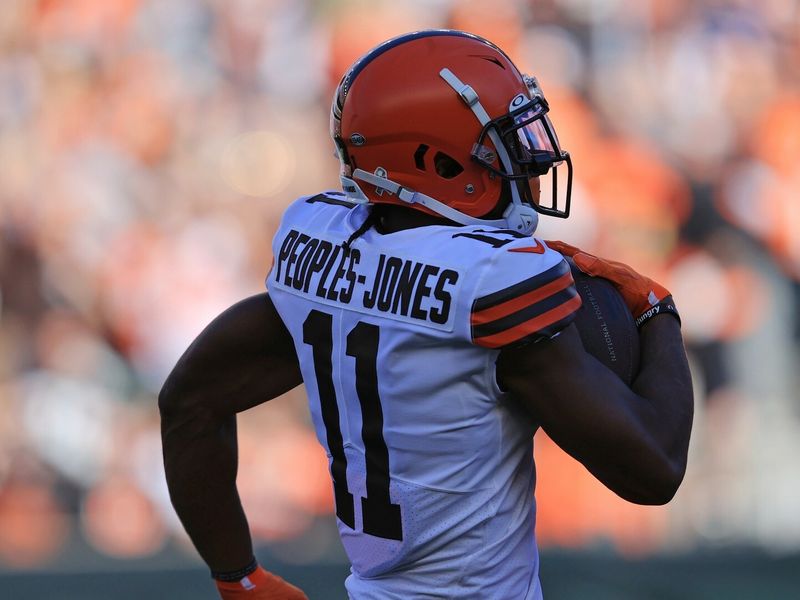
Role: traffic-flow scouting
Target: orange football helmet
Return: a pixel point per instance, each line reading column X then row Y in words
column 443, row 121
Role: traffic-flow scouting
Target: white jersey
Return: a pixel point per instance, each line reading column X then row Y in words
column 397, row 339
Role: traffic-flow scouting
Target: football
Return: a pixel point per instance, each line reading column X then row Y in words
column 606, row 326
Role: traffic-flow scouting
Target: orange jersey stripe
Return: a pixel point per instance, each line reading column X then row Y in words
column 518, row 332
column 511, row 306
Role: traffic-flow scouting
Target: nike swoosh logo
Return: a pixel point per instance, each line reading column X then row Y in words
column 537, row 249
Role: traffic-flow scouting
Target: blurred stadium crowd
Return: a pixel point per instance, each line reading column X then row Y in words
column 147, row 149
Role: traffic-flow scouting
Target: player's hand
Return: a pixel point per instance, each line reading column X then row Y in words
column 645, row 298
column 259, row 585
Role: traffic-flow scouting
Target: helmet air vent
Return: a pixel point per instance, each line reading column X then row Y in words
column 419, row 156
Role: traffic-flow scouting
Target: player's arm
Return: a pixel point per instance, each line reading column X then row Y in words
column 243, row 358
column 635, row 440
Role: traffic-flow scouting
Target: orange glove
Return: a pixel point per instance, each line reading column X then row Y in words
column 645, row 298
column 259, row 585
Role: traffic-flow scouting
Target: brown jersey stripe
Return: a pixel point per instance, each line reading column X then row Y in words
column 523, row 287
column 542, row 326
column 527, row 313
column 519, row 302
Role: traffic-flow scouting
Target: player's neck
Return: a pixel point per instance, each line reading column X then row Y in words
column 396, row 218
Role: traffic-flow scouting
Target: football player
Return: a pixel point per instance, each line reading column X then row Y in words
column 434, row 335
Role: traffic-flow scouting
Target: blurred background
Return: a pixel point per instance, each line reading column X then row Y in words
column 147, row 150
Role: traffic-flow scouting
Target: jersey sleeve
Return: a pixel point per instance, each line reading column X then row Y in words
column 526, row 294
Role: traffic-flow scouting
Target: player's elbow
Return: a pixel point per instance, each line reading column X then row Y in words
column 184, row 413
column 175, row 400
column 660, row 484
column 169, row 398
column 663, row 492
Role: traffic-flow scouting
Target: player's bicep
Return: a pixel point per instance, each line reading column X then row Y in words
column 559, row 382
column 244, row 357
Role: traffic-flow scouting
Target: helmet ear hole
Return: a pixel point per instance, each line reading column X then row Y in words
column 447, row 166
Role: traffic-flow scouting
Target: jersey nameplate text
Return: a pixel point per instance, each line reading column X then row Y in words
column 384, row 285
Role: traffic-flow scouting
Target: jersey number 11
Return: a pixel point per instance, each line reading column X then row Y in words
column 380, row 517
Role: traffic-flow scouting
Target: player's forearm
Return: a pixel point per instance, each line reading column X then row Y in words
column 614, row 432
column 665, row 382
column 200, row 459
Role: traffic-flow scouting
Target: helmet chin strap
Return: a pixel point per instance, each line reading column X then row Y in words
column 411, row 197
column 517, row 216
column 521, row 217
